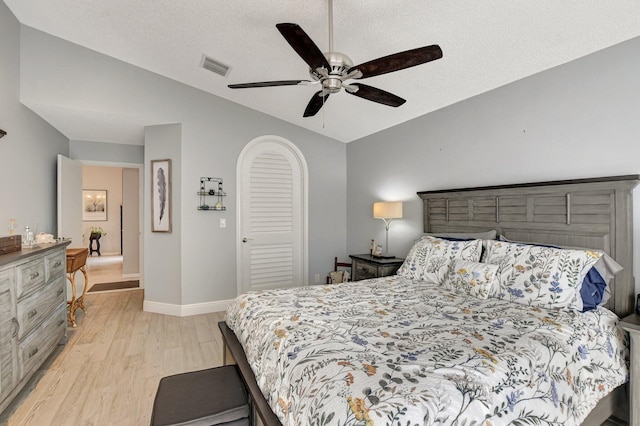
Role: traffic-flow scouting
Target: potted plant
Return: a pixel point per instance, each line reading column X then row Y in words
column 97, row 232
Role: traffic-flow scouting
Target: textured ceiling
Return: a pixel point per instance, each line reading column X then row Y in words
column 486, row 44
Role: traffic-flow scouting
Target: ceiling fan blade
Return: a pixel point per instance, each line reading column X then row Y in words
column 303, row 45
column 399, row 61
column 268, row 84
column 316, row 102
column 376, row 95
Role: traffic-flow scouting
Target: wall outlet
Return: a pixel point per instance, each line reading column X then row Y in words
column 223, row 223
column 317, row 278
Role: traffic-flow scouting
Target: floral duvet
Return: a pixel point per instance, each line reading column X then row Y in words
column 403, row 352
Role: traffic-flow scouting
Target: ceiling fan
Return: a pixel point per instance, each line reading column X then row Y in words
column 333, row 69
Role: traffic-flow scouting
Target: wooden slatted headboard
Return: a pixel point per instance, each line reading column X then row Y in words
column 590, row 213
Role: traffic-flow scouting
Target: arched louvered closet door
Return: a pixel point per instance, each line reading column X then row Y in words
column 272, row 205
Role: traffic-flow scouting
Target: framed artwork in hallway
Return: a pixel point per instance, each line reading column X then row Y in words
column 161, row 195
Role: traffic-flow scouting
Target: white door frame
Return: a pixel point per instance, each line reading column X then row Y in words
column 141, row 175
column 304, row 209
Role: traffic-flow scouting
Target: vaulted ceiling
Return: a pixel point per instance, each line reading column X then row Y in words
column 486, row 44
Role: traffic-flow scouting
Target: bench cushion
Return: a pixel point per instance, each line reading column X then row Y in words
column 215, row 396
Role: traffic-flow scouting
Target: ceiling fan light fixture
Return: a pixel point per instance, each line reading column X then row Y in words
column 332, row 69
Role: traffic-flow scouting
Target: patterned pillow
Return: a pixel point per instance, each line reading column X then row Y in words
column 548, row 277
column 473, row 278
column 429, row 258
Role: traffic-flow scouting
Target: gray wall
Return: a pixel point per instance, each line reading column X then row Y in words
column 108, row 152
column 213, row 132
column 162, row 250
column 581, row 119
column 29, row 150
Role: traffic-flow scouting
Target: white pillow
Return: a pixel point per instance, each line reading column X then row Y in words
column 429, row 258
column 542, row 276
column 473, row 278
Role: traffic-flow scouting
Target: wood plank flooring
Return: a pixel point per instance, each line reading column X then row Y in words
column 108, row 372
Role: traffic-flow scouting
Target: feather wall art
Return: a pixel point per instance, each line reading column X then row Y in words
column 162, row 191
column 161, row 195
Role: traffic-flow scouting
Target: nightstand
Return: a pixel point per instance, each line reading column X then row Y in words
column 631, row 323
column 365, row 266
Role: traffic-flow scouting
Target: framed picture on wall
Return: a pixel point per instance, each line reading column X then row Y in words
column 94, row 205
column 161, row 195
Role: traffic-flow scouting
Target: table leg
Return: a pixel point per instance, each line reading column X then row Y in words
column 72, row 305
column 80, row 301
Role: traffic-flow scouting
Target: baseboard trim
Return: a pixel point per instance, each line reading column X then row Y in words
column 185, row 310
column 135, row 276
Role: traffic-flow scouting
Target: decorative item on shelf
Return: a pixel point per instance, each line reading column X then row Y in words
column 387, row 211
column 43, row 238
column 27, row 238
column 12, row 226
column 207, row 191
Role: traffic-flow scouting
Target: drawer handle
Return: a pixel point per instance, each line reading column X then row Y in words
column 16, row 327
column 32, row 313
column 34, row 275
column 59, row 292
column 32, row 352
column 58, row 263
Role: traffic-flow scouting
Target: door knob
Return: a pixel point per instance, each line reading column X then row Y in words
column 245, row 239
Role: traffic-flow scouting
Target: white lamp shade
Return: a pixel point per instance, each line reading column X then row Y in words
column 387, row 210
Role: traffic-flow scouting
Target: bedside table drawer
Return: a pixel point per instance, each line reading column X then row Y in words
column 364, row 271
column 365, row 266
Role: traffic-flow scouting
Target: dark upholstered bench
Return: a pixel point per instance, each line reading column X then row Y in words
column 216, row 396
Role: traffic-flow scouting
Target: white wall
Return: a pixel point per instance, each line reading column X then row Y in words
column 29, row 150
column 578, row 120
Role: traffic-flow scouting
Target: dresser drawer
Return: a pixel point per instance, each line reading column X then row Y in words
column 39, row 345
column 56, row 264
column 6, row 279
column 34, row 308
column 30, row 276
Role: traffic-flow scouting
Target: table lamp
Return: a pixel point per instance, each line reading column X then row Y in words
column 387, row 211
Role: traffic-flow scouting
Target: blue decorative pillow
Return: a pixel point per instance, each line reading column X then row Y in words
column 592, row 290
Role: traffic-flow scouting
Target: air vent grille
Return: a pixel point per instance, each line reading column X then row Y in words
column 215, row 66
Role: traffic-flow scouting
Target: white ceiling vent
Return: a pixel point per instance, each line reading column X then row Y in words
column 215, row 66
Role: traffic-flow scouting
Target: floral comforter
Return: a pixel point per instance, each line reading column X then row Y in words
column 402, row 352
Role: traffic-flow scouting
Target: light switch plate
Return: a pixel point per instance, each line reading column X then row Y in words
column 223, row 223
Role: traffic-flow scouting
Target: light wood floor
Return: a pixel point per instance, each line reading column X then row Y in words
column 108, row 372
column 104, row 269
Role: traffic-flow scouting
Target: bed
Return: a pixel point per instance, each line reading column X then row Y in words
column 408, row 350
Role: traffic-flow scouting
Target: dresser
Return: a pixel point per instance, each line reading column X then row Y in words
column 364, row 266
column 33, row 313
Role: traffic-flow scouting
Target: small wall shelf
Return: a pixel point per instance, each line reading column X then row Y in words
column 211, row 191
